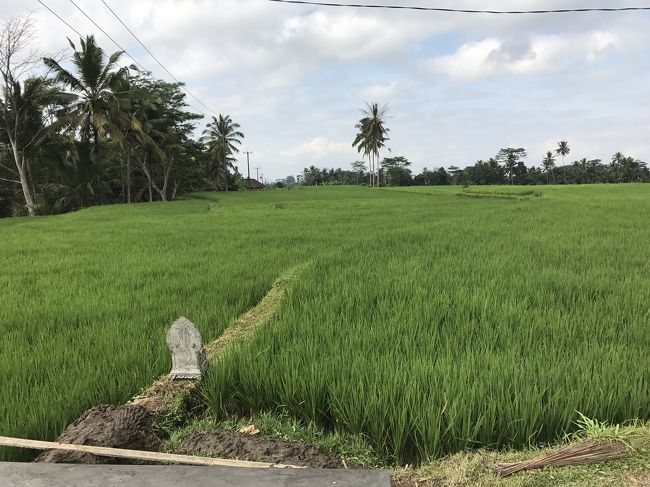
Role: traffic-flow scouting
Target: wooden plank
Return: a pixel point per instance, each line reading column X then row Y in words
column 136, row 454
column 68, row 475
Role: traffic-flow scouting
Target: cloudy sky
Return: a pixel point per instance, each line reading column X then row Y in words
column 458, row 86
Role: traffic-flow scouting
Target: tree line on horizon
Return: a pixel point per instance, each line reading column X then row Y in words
column 507, row 167
column 93, row 132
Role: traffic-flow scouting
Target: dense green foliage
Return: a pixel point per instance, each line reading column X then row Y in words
column 429, row 322
column 507, row 168
column 93, row 133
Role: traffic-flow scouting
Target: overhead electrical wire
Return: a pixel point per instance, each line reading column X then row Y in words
column 119, row 47
column 466, row 11
column 60, row 18
column 154, row 57
column 107, row 35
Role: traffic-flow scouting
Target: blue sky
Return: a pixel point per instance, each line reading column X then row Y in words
column 458, row 87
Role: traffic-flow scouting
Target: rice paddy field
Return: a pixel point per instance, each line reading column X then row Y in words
column 428, row 322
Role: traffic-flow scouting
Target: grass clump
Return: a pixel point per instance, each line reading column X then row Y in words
column 603, row 430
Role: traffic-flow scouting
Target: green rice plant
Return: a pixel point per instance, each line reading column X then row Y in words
column 428, row 325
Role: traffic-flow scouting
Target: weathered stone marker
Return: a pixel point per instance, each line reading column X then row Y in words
column 185, row 344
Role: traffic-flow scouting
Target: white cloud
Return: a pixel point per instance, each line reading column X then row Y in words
column 471, row 60
column 317, row 148
column 541, row 54
column 380, row 92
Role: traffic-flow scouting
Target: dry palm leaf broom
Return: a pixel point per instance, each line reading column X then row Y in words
column 589, row 451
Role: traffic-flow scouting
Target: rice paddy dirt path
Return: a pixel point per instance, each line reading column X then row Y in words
column 161, row 392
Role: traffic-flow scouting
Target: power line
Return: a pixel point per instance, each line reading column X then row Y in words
column 466, row 11
column 155, row 58
column 107, row 35
column 59, row 17
column 113, row 40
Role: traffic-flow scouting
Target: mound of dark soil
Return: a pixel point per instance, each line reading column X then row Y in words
column 239, row 446
column 125, row 426
column 129, row 427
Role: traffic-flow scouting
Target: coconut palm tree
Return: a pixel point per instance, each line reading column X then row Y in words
column 223, row 139
column 372, row 135
column 99, row 86
column 361, row 143
column 549, row 163
column 563, row 149
column 616, row 166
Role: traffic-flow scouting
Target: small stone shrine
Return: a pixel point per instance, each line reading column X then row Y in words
column 185, row 344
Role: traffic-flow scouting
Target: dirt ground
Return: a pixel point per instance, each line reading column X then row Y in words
column 129, row 427
column 258, row 448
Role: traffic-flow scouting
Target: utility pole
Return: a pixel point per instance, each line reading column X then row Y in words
column 248, row 166
column 257, row 172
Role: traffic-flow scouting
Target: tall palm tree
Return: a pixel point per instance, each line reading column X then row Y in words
column 223, row 139
column 99, row 85
column 372, row 135
column 563, row 149
column 549, row 163
column 361, row 143
column 617, row 166
column 139, row 131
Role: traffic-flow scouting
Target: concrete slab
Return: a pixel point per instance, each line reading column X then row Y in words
column 62, row 475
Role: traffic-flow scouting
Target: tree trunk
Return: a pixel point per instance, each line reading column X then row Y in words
column 122, row 178
column 146, row 169
column 128, row 175
column 225, row 175
column 147, row 161
column 29, row 201
column 168, row 170
column 378, row 169
column 24, row 183
column 97, row 163
column 30, row 178
column 374, row 165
